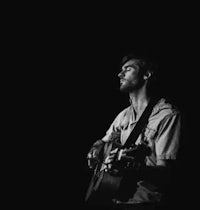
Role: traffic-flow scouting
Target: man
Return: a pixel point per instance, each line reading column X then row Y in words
column 161, row 135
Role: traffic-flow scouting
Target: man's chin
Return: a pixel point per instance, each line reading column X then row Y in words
column 124, row 89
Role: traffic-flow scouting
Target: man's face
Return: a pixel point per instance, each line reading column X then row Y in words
column 130, row 76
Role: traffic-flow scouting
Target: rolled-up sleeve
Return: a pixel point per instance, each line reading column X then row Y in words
column 168, row 139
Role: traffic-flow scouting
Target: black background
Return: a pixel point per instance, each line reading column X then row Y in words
column 73, row 93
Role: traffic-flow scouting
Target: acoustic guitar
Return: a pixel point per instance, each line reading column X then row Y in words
column 120, row 180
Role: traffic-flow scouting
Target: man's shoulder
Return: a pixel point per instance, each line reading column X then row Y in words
column 165, row 107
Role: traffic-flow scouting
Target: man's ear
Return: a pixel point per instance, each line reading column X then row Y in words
column 147, row 75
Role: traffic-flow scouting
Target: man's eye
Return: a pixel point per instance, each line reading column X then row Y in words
column 129, row 68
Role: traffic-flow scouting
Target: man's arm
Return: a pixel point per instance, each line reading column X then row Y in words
column 166, row 148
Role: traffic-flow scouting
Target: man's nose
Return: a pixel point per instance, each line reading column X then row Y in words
column 121, row 75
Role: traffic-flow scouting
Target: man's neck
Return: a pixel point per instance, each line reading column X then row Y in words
column 139, row 101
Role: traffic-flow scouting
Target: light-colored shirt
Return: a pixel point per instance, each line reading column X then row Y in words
column 162, row 135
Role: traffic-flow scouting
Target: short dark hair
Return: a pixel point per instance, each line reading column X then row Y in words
column 145, row 62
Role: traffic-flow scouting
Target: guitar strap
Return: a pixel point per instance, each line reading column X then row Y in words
column 143, row 120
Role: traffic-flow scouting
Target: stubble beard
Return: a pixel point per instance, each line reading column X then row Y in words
column 127, row 88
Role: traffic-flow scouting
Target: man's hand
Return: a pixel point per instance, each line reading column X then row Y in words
column 93, row 155
column 109, row 159
column 92, row 158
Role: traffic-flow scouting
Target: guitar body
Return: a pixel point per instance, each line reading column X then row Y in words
column 103, row 188
column 106, row 185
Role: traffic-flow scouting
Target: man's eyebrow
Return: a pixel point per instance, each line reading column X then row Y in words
column 131, row 65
